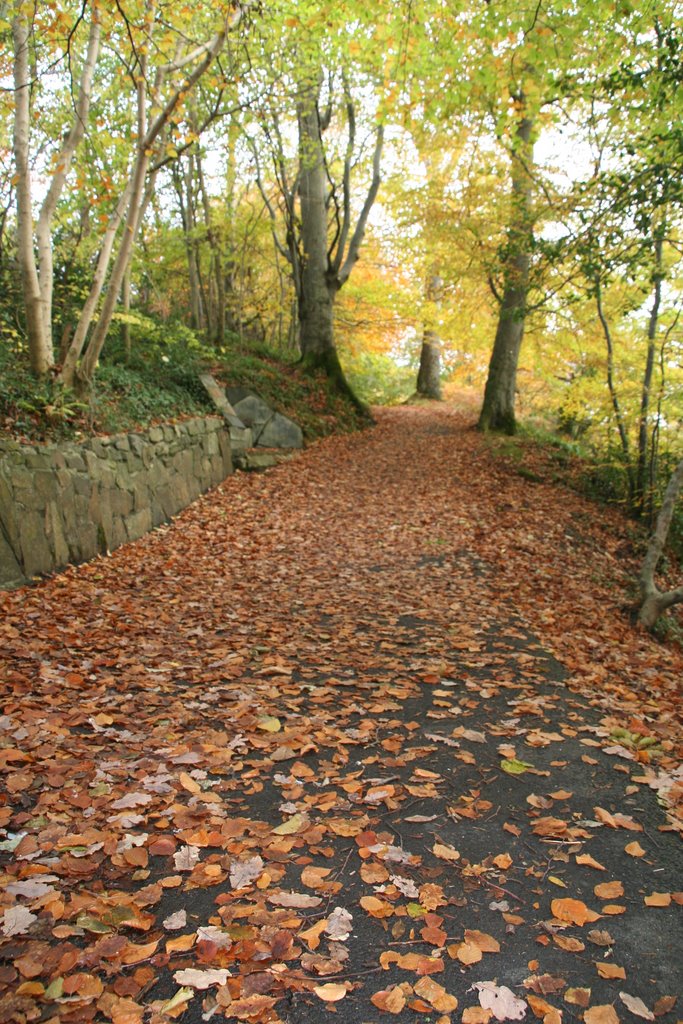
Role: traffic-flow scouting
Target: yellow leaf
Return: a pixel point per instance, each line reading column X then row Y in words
column 294, row 824
column 188, row 783
column 269, row 724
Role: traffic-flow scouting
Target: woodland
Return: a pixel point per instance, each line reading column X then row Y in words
column 394, row 729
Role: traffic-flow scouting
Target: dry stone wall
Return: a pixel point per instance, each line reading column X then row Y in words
column 67, row 503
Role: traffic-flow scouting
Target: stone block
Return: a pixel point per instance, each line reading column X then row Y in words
column 254, row 413
column 55, row 531
column 138, row 523
column 281, row 432
column 36, row 556
column 11, row 574
column 235, row 395
column 155, row 435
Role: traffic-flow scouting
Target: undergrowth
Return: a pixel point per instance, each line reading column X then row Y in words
column 159, row 382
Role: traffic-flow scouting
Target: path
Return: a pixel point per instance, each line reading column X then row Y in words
column 262, row 765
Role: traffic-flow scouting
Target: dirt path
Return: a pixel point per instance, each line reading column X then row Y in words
column 356, row 736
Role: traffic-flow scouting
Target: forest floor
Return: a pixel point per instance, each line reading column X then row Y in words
column 368, row 736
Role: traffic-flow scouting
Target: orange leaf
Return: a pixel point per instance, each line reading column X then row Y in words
column 658, row 899
column 591, row 862
column 390, row 999
column 601, row 1015
column 608, row 890
column 573, row 911
column 436, row 994
column 610, row 971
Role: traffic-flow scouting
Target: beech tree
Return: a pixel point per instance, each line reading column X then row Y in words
column 429, row 373
column 322, row 236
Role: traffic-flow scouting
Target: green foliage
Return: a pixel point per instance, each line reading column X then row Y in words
column 377, row 379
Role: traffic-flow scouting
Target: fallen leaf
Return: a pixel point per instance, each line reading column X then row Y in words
column 608, row 890
column 331, row 992
column 201, row 980
column 297, row 823
column 608, row 970
column 445, row 852
column 392, row 1000
column 658, row 899
column 636, row 1006
column 601, row 1015
column 591, row 862
column 501, row 1000
column 300, row 900
column 17, row 921
column 573, row 911
column 436, row 995
column 514, row 767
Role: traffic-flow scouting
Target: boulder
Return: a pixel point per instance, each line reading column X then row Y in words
column 254, row 413
column 241, row 436
column 281, row 432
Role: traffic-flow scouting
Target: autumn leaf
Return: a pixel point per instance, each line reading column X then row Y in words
column 436, row 995
column 500, row 1000
column 572, row 911
column 391, row 1000
column 605, row 1014
column 330, row 992
column 636, row 1006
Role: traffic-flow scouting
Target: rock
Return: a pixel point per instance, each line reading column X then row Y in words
column 281, row 432
column 254, row 413
column 236, row 395
column 10, row 570
column 240, row 436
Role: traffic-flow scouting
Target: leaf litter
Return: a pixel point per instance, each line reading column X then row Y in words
column 342, row 753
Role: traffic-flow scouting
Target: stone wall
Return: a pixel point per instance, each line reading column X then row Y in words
column 69, row 502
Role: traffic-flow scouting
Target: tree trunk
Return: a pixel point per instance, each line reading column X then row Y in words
column 37, row 275
column 39, row 341
column 652, row 600
column 317, row 292
column 498, row 410
column 644, row 484
column 429, row 374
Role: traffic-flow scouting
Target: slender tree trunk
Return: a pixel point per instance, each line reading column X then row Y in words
column 498, row 410
column 614, row 397
column 653, row 602
column 61, row 170
column 131, row 205
column 186, row 216
column 429, row 374
column 644, row 483
column 39, row 341
column 37, row 275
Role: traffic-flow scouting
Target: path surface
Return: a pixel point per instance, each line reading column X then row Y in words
column 306, row 752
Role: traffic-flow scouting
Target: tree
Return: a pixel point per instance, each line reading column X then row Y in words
column 161, row 63
column 322, row 243
column 429, row 374
column 498, row 409
column 653, row 601
column 37, row 272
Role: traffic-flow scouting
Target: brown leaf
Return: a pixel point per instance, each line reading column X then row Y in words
column 436, row 995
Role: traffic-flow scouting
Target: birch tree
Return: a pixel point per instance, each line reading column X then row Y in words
column 159, row 62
